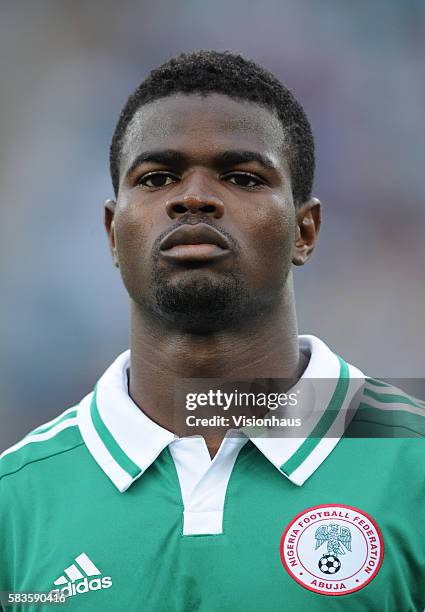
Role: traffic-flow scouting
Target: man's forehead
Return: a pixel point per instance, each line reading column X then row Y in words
column 191, row 121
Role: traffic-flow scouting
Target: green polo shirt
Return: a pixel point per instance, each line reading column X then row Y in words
column 117, row 513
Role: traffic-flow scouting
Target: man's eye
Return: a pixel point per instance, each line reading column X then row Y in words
column 243, row 179
column 157, row 179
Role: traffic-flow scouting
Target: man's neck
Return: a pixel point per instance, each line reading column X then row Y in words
column 160, row 356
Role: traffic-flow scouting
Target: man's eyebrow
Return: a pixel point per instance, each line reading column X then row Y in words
column 235, row 157
column 171, row 157
column 165, row 157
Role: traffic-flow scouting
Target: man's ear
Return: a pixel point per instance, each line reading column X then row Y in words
column 309, row 218
column 110, row 206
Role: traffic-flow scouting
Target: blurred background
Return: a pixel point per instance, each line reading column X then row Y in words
column 66, row 71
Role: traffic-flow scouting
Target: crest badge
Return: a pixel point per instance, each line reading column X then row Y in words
column 332, row 549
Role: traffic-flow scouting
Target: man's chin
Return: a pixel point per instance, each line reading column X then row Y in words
column 201, row 303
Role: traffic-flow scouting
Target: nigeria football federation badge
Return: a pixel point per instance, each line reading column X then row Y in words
column 332, row 549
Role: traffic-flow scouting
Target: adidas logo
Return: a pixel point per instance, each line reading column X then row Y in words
column 76, row 578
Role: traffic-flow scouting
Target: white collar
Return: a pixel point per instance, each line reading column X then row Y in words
column 125, row 441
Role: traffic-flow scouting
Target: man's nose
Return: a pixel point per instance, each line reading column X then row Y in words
column 196, row 196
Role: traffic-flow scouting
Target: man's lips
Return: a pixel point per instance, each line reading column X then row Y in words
column 200, row 233
column 198, row 242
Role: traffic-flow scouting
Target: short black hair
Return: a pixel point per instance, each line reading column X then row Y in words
column 206, row 72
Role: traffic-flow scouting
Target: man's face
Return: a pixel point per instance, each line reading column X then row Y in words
column 188, row 160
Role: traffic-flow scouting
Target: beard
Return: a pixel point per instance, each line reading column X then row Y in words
column 202, row 301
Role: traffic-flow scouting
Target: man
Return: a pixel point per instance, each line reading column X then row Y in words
column 114, row 504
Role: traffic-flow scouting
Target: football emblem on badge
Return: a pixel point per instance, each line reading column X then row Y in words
column 332, row 549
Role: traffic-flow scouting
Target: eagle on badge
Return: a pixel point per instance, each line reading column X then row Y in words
column 336, row 536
